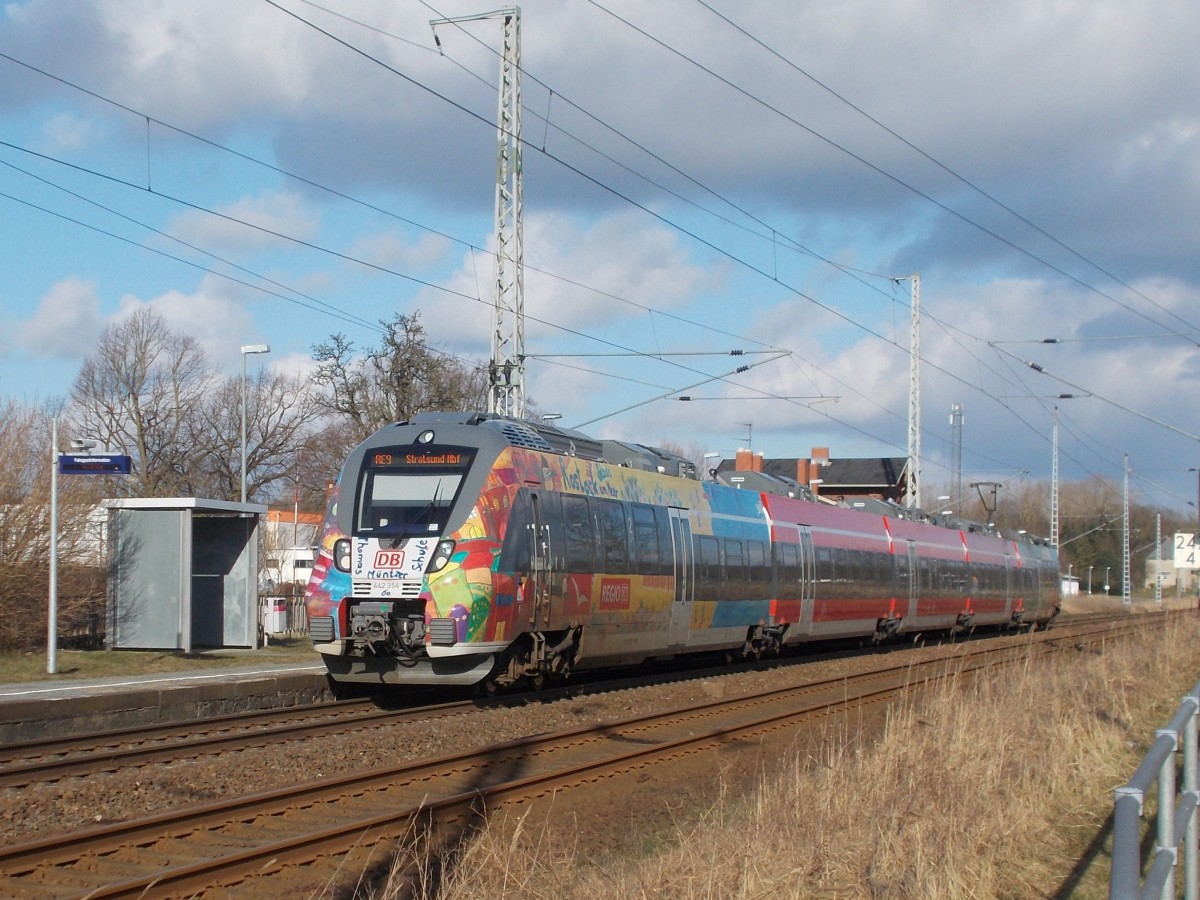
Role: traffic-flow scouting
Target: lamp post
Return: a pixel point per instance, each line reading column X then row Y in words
column 1090, row 578
column 246, row 350
column 52, row 610
column 1106, row 585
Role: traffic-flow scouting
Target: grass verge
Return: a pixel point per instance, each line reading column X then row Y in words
column 78, row 664
column 997, row 787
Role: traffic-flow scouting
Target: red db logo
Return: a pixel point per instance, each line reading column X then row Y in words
column 389, row 559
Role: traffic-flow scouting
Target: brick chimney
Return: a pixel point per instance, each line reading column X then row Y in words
column 743, row 461
column 758, row 461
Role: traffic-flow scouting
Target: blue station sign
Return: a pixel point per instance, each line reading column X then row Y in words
column 93, row 464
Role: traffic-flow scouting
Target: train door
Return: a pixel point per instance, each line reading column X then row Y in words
column 541, row 565
column 808, row 579
column 685, row 577
column 1009, row 593
column 912, row 566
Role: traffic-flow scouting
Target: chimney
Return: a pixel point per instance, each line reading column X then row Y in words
column 758, row 461
column 744, row 460
column 820, row 456
column 802, row 471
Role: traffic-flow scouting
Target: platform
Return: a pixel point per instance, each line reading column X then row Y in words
column 46, row 709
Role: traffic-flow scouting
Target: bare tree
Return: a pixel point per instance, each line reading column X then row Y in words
column 140, row 392
column 391, row 383
column 25, row 446
column 279, row 426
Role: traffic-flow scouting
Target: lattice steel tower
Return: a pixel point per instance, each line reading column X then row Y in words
column 913, row 492
column 506, row 369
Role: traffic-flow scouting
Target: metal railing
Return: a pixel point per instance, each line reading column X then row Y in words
column 283, row 616
column 1175, row 817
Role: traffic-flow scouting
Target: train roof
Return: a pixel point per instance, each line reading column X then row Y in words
column 550, row 438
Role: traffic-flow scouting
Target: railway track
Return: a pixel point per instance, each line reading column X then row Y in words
column 88, row 754
column 302, row 838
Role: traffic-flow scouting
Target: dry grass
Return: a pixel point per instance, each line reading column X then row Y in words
column 993, row 788
column 75, row 664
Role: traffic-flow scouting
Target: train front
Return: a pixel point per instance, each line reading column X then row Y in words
column 402, row 590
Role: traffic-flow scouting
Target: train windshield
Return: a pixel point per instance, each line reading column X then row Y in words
column 402, row 492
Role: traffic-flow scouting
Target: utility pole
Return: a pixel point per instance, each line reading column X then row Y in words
column 506, row 369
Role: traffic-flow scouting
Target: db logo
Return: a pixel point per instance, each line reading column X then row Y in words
column 389, row 559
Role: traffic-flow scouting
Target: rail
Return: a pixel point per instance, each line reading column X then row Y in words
column 1175, row 816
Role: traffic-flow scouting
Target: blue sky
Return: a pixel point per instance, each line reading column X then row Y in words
column 693, row 173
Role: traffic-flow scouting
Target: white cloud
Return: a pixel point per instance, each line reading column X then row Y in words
column 216, row 318
column 608, row 270
column 1081, row 115
column 265, row 214
column 66, row 323
column 395, row 251
column 68, row 131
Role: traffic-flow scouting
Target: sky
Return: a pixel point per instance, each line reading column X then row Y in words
column 700, row 177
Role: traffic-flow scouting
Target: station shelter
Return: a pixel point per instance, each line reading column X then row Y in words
column 182, row 574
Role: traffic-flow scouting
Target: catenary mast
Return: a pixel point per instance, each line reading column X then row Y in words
column 913, row 491
column 506, row 368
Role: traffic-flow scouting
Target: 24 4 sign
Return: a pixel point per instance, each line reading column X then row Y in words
column 1187, row 551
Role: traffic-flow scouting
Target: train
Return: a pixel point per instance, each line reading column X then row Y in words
column 476, row 549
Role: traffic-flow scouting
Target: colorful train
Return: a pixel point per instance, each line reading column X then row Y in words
column 467, row 548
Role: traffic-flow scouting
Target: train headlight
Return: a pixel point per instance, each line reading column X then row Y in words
column 441, row 556
column 341, row 554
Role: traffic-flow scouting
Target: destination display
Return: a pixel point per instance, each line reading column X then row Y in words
column 404, row 458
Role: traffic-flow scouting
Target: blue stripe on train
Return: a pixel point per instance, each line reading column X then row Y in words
column 740, row 612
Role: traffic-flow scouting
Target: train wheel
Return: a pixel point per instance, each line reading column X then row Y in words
column 490, row 688
column 538, row 681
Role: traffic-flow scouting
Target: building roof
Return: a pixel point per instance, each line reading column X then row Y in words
column 869, row 473
column 861, row 473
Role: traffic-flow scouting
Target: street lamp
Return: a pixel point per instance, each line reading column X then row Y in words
column 247, row 349
column 1106, row 585
column 1090, row 578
